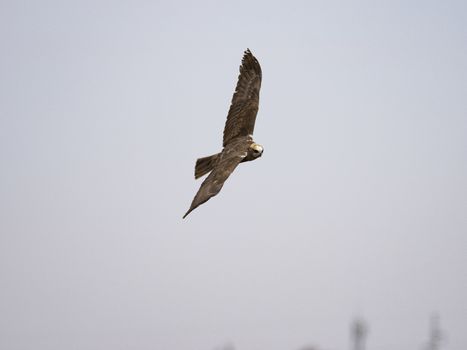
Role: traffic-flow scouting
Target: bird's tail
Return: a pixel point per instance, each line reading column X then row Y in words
column 205, row 165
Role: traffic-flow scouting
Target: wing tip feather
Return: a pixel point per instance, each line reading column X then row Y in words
column 188, row 212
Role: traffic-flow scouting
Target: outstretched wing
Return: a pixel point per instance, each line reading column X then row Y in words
column 245, row 101
column 230, row 157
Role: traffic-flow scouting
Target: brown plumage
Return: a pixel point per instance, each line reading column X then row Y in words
column 245, row 101
column 238, row 131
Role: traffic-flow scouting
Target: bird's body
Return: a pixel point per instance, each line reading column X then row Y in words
column 238, row 134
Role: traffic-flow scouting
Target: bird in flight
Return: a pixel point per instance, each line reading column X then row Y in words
column 238, row 134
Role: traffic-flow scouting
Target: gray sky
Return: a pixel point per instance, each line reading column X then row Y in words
column 357, row 207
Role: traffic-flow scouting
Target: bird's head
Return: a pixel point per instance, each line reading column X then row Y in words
column 256, row 150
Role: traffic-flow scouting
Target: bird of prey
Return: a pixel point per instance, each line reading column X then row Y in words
column 238, row 144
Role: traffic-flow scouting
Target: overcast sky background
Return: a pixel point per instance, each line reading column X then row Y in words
column 357, row 207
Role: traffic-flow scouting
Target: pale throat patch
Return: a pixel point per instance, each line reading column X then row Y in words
column 257, row 147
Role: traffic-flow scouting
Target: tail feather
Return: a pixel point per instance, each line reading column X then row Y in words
column 205, row 165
